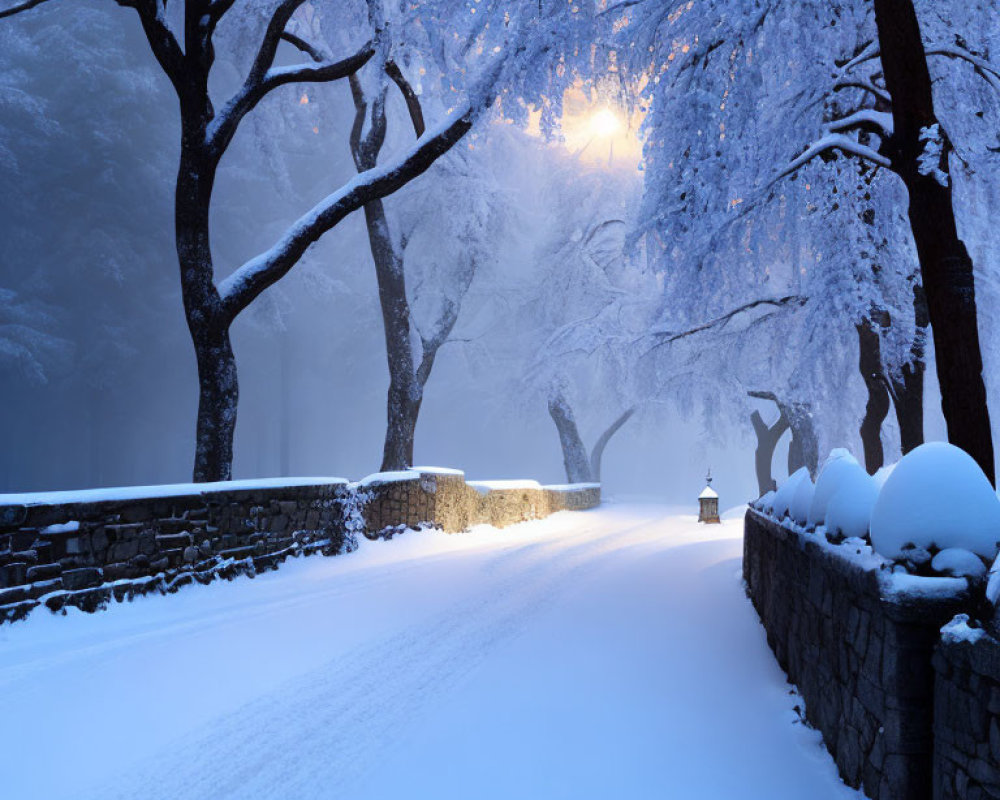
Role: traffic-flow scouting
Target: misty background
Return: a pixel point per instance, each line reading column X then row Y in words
column 98, row 375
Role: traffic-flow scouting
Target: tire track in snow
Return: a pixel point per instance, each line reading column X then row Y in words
column 317, row 735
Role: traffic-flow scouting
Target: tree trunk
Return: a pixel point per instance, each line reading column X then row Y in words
column 574, row 453
column 945, row 265
column 218, row 387
column 405, row 393
column 767, row 441
column 597, row 454
column 403, row 411
column 908, row 388
column 803, row 450
column 877, row 408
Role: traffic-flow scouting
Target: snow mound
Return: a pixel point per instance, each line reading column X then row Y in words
column 936, row 497
column 993, row 584
column 765, row 502
column 379, row 478
column 786, row 492
column 883, row 474
column 958, row 563
column 485, row 487
column 839, row 465
column 802, row 500
column 849, row 510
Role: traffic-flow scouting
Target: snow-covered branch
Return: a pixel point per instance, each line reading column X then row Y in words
column 868, row 52
column 163, row 43
column 19, row 7
column 247, row 282
column 866, row 119
column 829, row 143
column 669, row 336
column 257, row 85
column 990, row 73
column 864, row 84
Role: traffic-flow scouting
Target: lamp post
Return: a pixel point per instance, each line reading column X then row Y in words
column 708, row 502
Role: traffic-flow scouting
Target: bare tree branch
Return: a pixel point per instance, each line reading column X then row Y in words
column 300, row 43
column 868, row 52
column 597, row 453
column 668, row 337
column 162, row 41
column 224, row 126
column 17, row 9
column 410, row 96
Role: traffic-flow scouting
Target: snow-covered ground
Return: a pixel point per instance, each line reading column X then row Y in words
column 602, row 654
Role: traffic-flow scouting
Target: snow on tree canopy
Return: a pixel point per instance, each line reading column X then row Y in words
column 849, row 511
column 937, row 496
column 786, row 492
column 802, row 500
column 839, row 465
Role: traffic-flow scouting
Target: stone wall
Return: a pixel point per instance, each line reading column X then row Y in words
column 88, row 548
column 967, row 714
column 859, row 650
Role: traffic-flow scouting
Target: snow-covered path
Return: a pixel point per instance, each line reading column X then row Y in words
column 605, row 654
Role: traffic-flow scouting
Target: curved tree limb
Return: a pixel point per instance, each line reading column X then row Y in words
column 720, row 322
column 27, row 5
column 254, row 89
column 256, row 275
column 598, row 452
column 409, row 96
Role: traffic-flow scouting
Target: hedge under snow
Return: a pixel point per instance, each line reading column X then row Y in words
column 935, row 499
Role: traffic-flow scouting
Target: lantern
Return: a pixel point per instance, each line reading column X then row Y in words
column 708, row 502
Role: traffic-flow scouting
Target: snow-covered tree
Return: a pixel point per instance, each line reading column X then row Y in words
column 735, row 92
column 502, row 49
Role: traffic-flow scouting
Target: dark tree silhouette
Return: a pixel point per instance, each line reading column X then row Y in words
column 206, row 134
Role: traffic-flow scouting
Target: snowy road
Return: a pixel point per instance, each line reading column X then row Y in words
column 605, row 654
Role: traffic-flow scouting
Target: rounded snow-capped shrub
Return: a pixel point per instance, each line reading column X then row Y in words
column 839, row 464
column 993, row 583
column 936, row 497
column 958, row 563
column 849, row 512
column 798, row 510
column 786, row 492
column 765, row 503
column 883, row 474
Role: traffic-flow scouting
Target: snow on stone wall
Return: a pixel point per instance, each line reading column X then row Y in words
column 967, row 714
column 857, row 640
column 85, row 549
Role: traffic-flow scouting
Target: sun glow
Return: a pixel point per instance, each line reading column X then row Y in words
column 595, row 131
column 604, row 123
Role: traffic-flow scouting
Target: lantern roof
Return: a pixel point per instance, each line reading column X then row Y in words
column 708, row 493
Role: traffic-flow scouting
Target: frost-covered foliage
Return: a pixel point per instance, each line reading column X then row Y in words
column 574, row 304
column 936, row 497
column 737, row 92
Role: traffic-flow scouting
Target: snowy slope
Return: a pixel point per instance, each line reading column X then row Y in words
column 602, row 654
